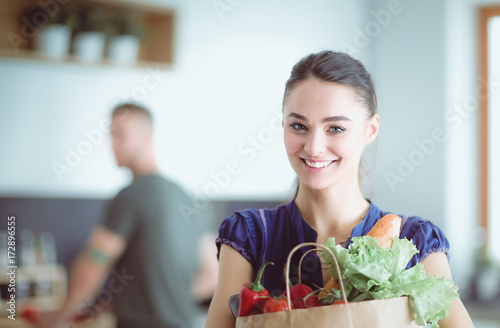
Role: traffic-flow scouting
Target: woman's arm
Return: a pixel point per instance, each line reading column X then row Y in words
column 234, row 271
column 437, row 264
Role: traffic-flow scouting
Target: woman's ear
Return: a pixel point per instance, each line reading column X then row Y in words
column 372, row 129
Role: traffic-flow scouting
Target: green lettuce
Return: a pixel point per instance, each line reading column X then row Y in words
column 370, row 271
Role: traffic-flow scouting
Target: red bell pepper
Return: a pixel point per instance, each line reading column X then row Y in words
column 30, row 314
column 273, row 304
column 301, row 292
column 253, row 295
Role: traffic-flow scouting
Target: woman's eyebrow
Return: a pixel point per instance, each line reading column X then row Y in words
column 337, row 118
column 300, row 117
column 327, row 119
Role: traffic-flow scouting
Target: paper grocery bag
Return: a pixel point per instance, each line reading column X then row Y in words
column 388, row 313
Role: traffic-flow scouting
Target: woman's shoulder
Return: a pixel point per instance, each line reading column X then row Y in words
column 245, row 230
column 255, row 217
column 411, row 225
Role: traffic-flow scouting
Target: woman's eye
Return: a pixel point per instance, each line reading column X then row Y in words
column 336, row 129
column 298, row 127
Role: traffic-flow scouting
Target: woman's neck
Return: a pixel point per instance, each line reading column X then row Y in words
column 333, row 209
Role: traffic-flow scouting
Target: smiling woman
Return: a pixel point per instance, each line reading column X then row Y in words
column 329, row 117
column 319, row 140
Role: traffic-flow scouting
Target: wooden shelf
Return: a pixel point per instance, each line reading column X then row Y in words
column 156, row 48
column 32, row 55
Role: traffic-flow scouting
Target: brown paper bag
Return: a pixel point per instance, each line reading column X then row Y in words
column 388, row 313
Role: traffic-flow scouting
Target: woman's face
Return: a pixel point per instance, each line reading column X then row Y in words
column 326, row 129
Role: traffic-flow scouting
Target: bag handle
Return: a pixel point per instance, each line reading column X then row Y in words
column 302, row 259
column 318, row 246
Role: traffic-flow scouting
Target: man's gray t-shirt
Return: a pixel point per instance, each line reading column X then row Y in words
column 160, row 259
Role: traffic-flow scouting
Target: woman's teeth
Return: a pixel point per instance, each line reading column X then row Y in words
column 317, row 164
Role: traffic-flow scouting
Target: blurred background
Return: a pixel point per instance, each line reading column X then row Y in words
column 213, row 75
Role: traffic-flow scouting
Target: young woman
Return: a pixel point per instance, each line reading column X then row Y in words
column 329, row 116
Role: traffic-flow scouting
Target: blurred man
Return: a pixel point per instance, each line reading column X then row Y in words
column 145, row 246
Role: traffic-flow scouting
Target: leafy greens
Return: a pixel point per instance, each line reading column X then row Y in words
column 370, row 272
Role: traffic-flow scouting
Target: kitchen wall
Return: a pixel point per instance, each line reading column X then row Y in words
column 494, row 145
column 462, row 146
column 426, row 68
column 409, row 60
column 408, row 65
column 218, row 106
column 464, row 87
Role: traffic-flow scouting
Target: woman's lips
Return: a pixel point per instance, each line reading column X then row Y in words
column 316, row 165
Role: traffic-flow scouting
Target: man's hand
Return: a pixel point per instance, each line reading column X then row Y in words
column 50, row 320
column 87, row 273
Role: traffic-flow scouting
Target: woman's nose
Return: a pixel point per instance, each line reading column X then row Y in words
column 315, row 144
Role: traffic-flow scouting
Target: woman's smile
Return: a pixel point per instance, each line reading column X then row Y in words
column 317, row 165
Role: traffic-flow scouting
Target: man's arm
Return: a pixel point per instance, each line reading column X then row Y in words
column 89, row 270
column 204, row 285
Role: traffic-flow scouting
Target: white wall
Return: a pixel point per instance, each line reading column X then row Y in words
column 409, row 74
column 461, row 202
column 494, row 145
column 462, row 148
column 226, row 87
column 425, row 66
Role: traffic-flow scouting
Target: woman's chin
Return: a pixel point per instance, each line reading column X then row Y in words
column 316, row 184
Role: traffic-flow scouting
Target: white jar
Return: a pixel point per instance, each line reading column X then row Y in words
column 89, row 46
column 124, row 49
column 53, row 41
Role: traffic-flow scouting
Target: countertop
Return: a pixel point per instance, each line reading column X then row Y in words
column 483, row 309
column 104, row 320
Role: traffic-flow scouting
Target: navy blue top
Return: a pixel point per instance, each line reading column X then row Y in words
column 270, row 234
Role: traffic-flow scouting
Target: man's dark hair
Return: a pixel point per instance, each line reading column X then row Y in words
column 126, row 108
